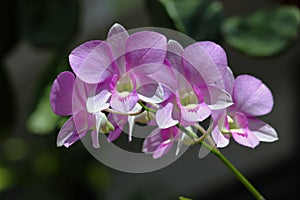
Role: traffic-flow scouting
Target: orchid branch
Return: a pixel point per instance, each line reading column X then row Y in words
column 214, row 150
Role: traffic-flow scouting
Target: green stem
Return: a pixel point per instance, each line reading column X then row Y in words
column 147, row 108
column 235, row 171
column 216, row 151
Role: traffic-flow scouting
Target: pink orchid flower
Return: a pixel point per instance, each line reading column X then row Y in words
column 251, row 98
column 70, row 96
column 195, row 77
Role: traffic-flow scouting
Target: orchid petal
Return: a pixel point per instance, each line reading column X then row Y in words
column 118, row 121
column 228, row 81
column 217, row 54
column 152, row 141
column 163, row 149
column 124, row 101
column 216, row 98
column 174, row 56
column 199, row 64
column 241, row 120
column 116, row 38
column 220, row 139
column 251, row 96
column 164, row 117
column 91, row 61
column 98, row 102
column 157, row 97
column 195, row 112
column 81, row 92
column 263, row 131
column 67, row 130
column 145, row 47
column 131, row 120
column 101, row 121
column 73, row 138
column 247, row 138
column 61, row 94
column 81, row 120
column 95, row 138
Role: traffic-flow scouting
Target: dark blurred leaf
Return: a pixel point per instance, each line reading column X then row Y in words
column 8, row 21
column 7, row 104
column 158, row 14
column 265, row 32
column 41, row 109
column 49, row 23
column 200, row 19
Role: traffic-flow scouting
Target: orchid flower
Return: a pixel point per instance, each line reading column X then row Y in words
column 195, row 75
column 70, row 96
column 110, row 62
column 251, row 98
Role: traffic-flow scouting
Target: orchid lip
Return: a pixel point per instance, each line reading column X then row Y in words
column 124, row 84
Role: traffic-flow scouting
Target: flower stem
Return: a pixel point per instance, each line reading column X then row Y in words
column 235, row 171
column 214, row 150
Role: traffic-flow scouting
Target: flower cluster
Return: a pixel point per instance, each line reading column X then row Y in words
column 143, row 77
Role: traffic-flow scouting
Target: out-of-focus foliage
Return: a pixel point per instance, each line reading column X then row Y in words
column 261, row 34
column 57, row 26
column 49, row 24
column 264, row 33
column 43, row 120
column 200, row 19
column 184, row 198
column 8, row 39
column 7, row 107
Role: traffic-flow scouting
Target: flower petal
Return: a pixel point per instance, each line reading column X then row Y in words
column 263, row 131
column 174, row 56
column 195, row 112
column 199, row 64
column 61, row 94
column 217, row 54
column 124, row 102
column 118, row 121
column 95, row 138
column 164, row 117
column 73, row 138
column 247, row 139
column 157, row 97
column 152, row 141
column 163, row 149
column 145, row 47
column 131, row 120
column 91, row 61
column 251, row 96
column 116, row 38
column 220, row 139
column 216, row 98
column 67, row 130
column 81, row 120
column 98, row 102
column 228, row 81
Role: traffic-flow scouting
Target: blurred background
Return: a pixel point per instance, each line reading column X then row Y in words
column 261, row 38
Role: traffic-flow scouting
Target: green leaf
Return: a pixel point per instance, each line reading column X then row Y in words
column 200, row 19
column 43, row 120
column 49, row 23
column 264, row 33
column 184, row 198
